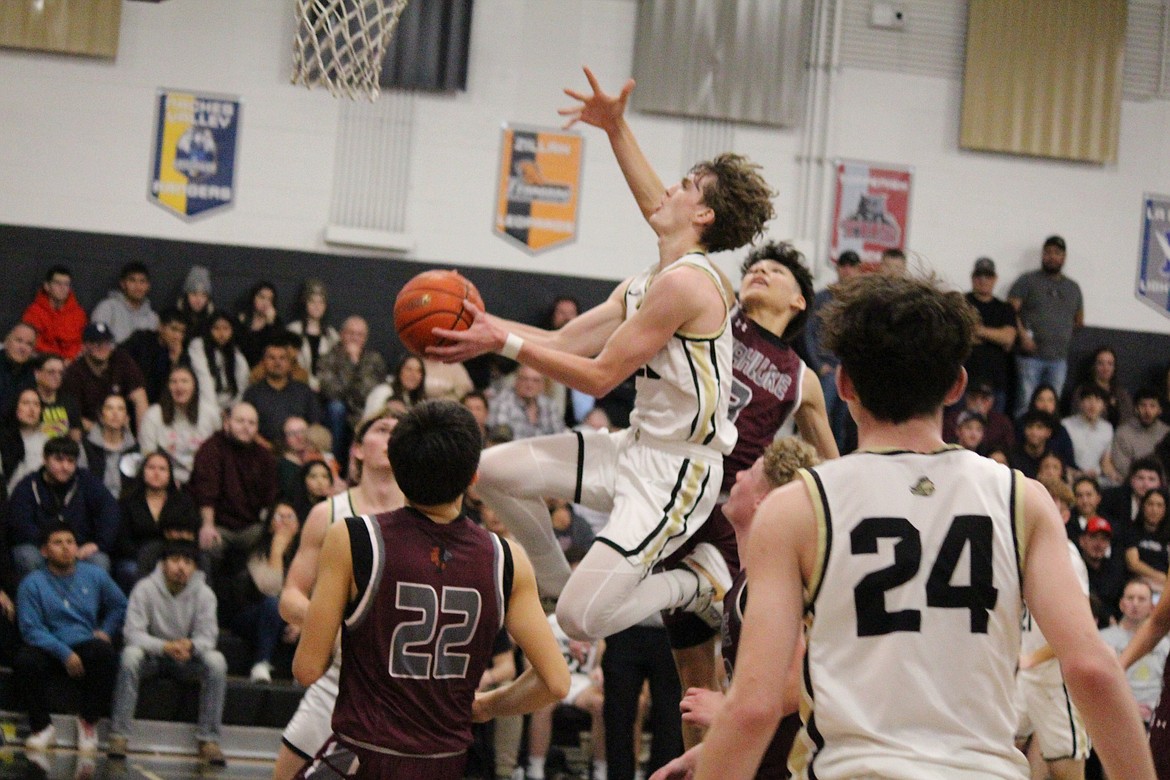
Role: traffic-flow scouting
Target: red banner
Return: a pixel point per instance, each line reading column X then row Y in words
column 871, row 209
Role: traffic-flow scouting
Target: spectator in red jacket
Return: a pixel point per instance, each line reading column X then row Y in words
column 56, row 314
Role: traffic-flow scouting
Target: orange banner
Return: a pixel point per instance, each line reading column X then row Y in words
column 539, row 187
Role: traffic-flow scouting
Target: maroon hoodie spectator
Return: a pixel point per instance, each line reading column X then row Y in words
column 233, row 482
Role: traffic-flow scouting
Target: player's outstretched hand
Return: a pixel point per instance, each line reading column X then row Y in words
column 599, row 109
column 699, row 706
column 482, row 336
column 681, row 768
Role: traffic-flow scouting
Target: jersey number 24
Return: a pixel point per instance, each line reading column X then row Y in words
column 869, row 596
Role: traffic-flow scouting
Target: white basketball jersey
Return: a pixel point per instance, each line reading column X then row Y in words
column 913, row 618
column 341, row 507
column 683, row 392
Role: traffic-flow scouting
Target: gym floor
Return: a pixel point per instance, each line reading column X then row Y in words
column 15, row 764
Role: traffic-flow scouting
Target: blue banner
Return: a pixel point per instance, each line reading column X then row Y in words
column 194, row 165
column 1153, row 273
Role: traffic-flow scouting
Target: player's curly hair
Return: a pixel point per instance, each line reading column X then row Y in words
column 784, row 457
column 790, row 257
column 902, row 341
column 742, row 201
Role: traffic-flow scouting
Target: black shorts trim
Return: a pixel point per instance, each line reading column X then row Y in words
column 580, row 467
column 686, row 630
column 295, row 749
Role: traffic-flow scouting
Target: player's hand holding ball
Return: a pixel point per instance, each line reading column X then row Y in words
column 440, row 314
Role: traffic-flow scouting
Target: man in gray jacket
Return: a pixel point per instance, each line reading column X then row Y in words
column 171, row 630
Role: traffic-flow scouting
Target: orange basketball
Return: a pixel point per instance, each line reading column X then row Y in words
column 433, row 299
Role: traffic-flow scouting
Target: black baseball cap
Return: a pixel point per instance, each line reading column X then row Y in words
column 848, row 257
column 97, row 333
column 1055, row 241
column 984, row 266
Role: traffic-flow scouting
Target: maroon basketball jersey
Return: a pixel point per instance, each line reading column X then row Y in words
column 774, row 764
column 765, row 391
column 420, row 632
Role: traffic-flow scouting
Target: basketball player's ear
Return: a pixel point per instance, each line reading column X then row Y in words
column 957, row 389
column 704, row 216
column 474, row 478
column 845, row 389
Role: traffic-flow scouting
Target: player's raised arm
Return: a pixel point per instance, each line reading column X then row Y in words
column 1091, row 671
column 608, row 112
column 302, row 572
column 812, row 418
column 333, row 591
column 743, row 728
column 675, row 298
column 546, row 681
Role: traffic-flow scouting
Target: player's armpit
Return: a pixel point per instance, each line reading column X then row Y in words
column 782, row 532
column 332, row 592
column 546, row 680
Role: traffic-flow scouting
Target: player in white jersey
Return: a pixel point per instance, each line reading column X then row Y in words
column 907, row 561
column 376, row 491
column 669, row 325
column 1051, row 731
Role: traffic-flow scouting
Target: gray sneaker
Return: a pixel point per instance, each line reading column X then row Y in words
column 714, row 580
column 118, row 746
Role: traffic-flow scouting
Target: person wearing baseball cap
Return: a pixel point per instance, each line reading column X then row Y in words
column 103, row 370
column 1050, row 307
column 995, row 335
column 1106, row 565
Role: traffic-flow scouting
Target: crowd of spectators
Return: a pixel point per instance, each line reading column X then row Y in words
column 167, row 461
column 181, row 451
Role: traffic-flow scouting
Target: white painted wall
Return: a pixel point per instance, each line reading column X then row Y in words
column 76, row 138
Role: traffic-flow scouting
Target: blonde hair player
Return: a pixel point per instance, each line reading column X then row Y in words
column 376, row 491
column 908, row 562
column 669, row 325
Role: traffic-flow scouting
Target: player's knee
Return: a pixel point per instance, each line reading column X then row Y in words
column 572, row 619
column 497, row 470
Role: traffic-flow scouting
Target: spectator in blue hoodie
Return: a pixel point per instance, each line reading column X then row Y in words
column 68, row 611
column 62, row 493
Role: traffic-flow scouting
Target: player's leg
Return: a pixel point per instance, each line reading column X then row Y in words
column 1060, row 732
column 1066, row 769
column 592, row 700
column 692, row 639
column 310, row 727
column 696, row 669
column 539, row 740
column 660, row 500
column 514, row 479
column 288, row 763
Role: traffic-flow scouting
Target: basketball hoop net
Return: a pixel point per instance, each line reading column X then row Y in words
column 341, row 43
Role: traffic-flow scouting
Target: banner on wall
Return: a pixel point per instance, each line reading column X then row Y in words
column 1153, row 271
column 539, row 187
column 871, row 208
column 194, row 163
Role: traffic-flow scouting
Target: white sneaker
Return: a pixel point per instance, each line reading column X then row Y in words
column 87, row 738
column 261, row 672
column 714, row 581
column 42, row 740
